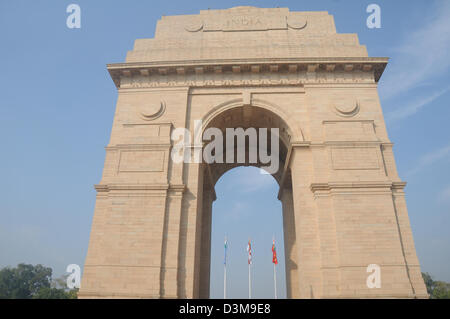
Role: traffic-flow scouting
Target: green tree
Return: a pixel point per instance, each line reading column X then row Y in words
column 436, row 289
column 72, row 294
column 441, row 290
column 428, row 282
column 28, row 281
column 51, row 293
column 24, row 281
column 61, row 284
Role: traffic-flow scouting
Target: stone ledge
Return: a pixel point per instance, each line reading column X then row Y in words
column 377, row 296
column 317, row 187
column 270, row 66
column 138, row 187
column 86, row 294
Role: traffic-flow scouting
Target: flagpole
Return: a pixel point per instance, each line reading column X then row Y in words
column 275, row 280
column 249, row 252
column 225, row 270
column 274, row 266
column 249, row 283
column 225, row 281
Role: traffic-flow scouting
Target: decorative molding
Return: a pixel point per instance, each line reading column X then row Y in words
column 194, row 26
column 97, row 293
column 250, row 72
column 346, row 108
column 398, row 186
column 159, row 146
column 347, row 143
column 140, row 187
column 327, row 187
column 177, row 188
column 296, row 22
column 130, row 187
column 236, row 79
column 150, row 112
column 300, row 144
column 247, row 22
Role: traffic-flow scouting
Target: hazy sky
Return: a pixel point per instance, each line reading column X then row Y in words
column 57, row 104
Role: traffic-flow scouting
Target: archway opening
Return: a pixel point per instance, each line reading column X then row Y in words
column 247, row 207
column 277, row 141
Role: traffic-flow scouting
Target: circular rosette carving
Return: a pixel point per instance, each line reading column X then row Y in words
column 347, row 108
column 152, row 111
column 296, row 22
column 194, row 26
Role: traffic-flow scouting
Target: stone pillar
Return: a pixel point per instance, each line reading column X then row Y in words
column 205, row 259
column 124, row 256
column 306, row 224
column 171, row 243
column 191, row 231
column 290, row 241
column 329, row 256
column 409, row 252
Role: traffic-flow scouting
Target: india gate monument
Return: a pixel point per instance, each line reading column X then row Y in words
column 245, row 67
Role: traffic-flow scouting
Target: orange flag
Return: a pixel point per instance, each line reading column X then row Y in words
column 274, row 251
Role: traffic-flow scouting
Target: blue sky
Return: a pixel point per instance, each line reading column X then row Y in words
column 57, row 104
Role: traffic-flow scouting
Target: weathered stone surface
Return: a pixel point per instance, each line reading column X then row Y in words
column 343, row 202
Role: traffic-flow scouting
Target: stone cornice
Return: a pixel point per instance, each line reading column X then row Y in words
column 351, row 185
column 97, row 294
column 152, row 146
column 184, row 70
column 398, row 185
column 140, row 187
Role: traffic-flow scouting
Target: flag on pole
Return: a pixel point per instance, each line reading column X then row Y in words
column 225, row 269
column 275, row 262
column 225, row 254
column 274, row 251
column 249, row 250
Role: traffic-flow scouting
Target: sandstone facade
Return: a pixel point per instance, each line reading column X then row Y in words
column 343, row 202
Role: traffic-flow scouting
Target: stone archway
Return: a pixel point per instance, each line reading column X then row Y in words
column 343, row 202
column 238, row 115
